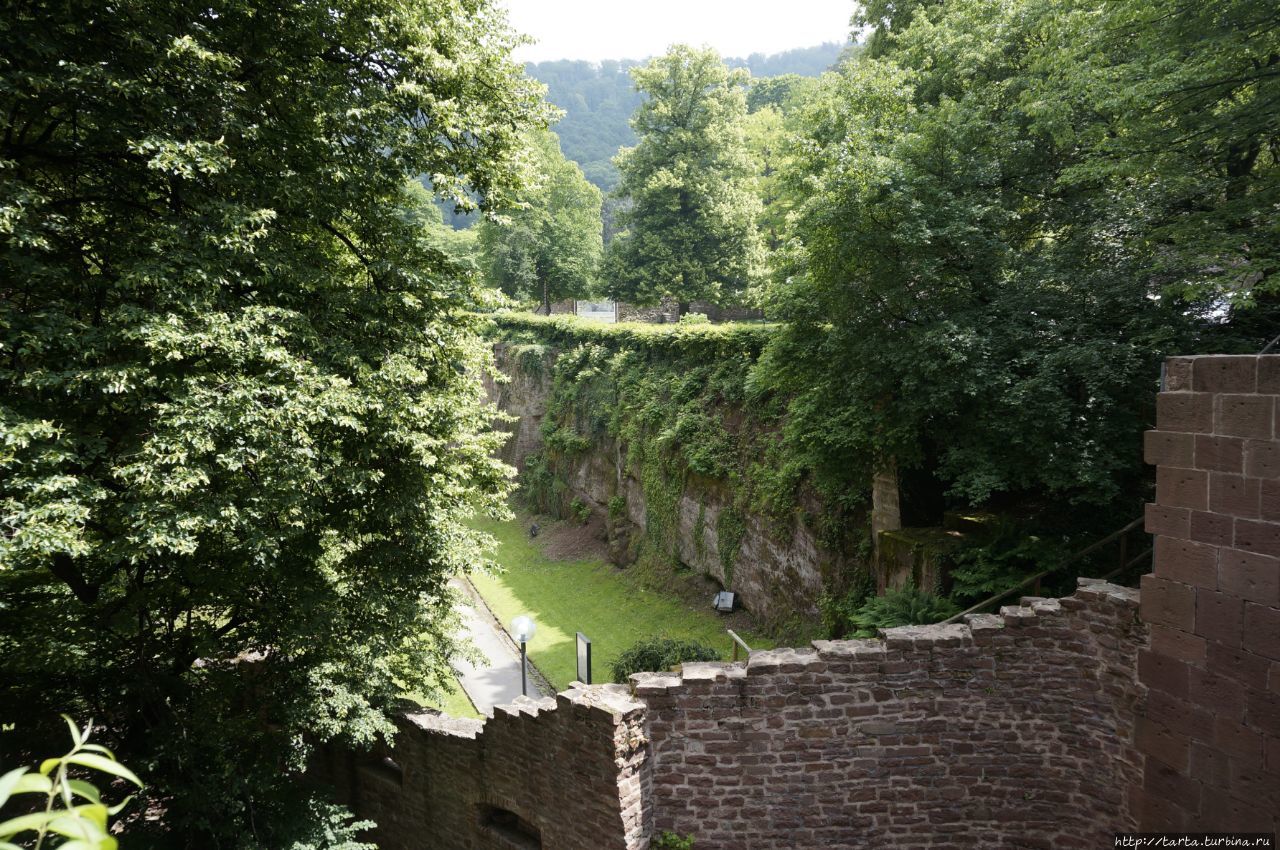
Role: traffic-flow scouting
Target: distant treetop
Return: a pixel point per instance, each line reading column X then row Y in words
column 599, row 99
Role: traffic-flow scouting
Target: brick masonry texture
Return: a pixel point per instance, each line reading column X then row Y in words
column 1211, row 733
column 1013, row 730
column 569, row 767
column 1051, row 724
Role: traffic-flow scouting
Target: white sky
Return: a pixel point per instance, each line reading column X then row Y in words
column 635, row 29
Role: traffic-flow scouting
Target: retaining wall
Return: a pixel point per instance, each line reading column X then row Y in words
column 1053, row 724
column 1010, row 731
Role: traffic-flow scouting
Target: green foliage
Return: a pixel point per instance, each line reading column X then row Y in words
column 598, row 100
column 981, row 273
column 330, row 827
column 730, row 529
column 658, row 654
column 679, row 399
column 581, row 511
column 838, row 610
column 694, row 319
column 72, row 809
column 617, row 507
column 992, row 566
column 548, row 246
column 238, row 418
column 672, row 841
column 690, row 232
column 909, row 606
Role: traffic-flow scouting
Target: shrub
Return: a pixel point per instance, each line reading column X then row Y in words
column 694, row 319
column 907, row 607
column 671, row 841
column 838, row 611
column 657, row 654
column 617, row 507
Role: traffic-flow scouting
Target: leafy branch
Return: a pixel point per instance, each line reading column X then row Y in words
column 81, row 817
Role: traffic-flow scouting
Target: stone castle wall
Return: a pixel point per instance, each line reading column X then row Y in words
column 777, row 569
column 1012, row 728
column 1211, row 733
column 1011, row 731
column 554, row 773
column 1052, row 724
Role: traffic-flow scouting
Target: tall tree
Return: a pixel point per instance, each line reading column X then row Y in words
column 691, row 230
column 990, row 255
column 548, row 247
column 236, row 417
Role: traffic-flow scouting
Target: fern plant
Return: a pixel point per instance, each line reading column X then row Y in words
column 909, row 606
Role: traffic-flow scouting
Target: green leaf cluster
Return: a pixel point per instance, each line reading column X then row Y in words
column 657, row 655
column 548, row 246
column 690, row 231
column 73, row 809
column 239, row 428
column 1003, row 218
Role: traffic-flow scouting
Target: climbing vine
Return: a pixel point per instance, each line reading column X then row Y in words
column 680, row 405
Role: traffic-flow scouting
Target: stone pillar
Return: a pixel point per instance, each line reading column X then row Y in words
column 1211, row 734
column 886, row 514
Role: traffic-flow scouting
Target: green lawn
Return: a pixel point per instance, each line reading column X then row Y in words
column 599, row 600
column 456, row 704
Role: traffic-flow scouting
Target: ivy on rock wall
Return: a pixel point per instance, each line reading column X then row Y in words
column 679, row 406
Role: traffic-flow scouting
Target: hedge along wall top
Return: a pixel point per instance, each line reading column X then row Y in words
column 661, row 428
column 731, row 339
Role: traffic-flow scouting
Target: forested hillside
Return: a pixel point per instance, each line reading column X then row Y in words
column 599, row 99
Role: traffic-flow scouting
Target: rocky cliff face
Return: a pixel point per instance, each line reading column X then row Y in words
column 776, row 568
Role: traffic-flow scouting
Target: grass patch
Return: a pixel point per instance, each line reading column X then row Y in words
column 608, row 605
column 454, row 704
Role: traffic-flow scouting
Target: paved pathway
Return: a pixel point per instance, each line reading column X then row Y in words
column 496, row 682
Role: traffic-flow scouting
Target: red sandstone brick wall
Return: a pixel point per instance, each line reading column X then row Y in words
column 1211, row 734
column 570, row 766
column 1012, row 731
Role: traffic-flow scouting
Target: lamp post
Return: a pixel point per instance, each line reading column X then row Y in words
column 523, row 629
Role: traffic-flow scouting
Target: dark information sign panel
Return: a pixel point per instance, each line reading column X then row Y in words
column 584, row 659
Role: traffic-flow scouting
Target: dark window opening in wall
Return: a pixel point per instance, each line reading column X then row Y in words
column 517, row 832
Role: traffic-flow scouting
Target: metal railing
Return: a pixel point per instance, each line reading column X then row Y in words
column 738, row 643
column 1125, row 562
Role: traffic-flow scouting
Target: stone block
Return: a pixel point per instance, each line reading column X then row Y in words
column 1243, row 415
column 1219, row 617
column 1225, row 374
column 1182, row 488
column 1262, row 459
column 1169, row 448
column 1258, row 537
column 1212, row 528
column 1219, row 454
column 1234, row 495
column 1185, row 412
column 1170, row 522
column 1178, row 374
column 1161, row 673
column 1269, row 374
column 1250, row 576
column 1186, row 561
column 1168, row 603
column 1262, row 630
